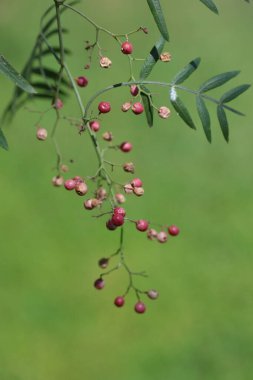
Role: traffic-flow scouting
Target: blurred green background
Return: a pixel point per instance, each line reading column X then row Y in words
column 53, row 324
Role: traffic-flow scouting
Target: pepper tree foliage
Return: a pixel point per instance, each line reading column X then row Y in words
column 38, row 80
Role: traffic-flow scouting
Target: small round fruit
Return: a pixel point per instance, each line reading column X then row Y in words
column 82, row 81
column 141, row 225
column 110, row 226
column 151, row 234
column 120, row 198
column 173, row 230
column 41, row 134
column 134, row 90
column 162, row 237
column 152, row 294
column 126, row 147
column 126, row 47
column 140, row 307
column 137, row 108
column 81, row 188
column 70, row 184
column 119, row 211
column 99, row 283
column 57, row 181
column 136, row 182
column 94, row 125
column 119, row 301
column 117, row 220
column 103, row 263
column 104, row 107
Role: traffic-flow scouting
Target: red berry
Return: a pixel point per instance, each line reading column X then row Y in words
column 82, row 81
column 173, row 230
column 110, row 226
column 94, row 125
column 127, row 47
column 104, row 107
column 140, row 307
column 141, row 225
column 99, row 283
column 103, row 263
column 136, row 182
column 134, row 90
column 137, row 108
column 126, row 147
column 119, row 211
column 119, row 301
column 70, row 184
column 117, row 220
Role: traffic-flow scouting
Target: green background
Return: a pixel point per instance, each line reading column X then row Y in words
column 53, row 324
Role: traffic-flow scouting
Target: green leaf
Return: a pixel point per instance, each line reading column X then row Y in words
column 204, row 117
column 234, row 93
column 147, row 102
column 157, row 13
column 223, row 121
column 218, row 80
column 3, row 141
column 152, row 58
column 182, row 111
column 210, row 4
column 54, row 49
column 14, row 76
column 186, row 71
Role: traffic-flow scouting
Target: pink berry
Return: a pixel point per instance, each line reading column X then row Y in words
column 137, row 108
column 103, row 263
column 70, row 184
column 140, row 307
column 151, row 234
column 128, row 188
column 119, row 301
column 117, row 220
column 99, row 283
column 88, row 204
column 134, row 90
column 125, row 107
column 107, row 136
column 128, row 167
column 94, row 125
column 139, row 191
column 58, row 104
column 41, row 134
column 153, row 294
column 162, row 237
column 127, row 47
column 136, row 182
column 81, row 188
column 141, row 225
column 110, row 226
column 126, row 147
column 82, row 81
column 104, row 107
column 173, row 230
column 119, row 211
column 120, row 198
column 57, row 181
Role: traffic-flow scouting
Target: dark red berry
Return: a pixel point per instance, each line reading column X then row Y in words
column 103, row 263
column 110, row 226
column 173, row 230
column 119, row 211
column 119, row 301
column 99, row 283
column 117, row 219
column 134, row 90
column 127, row 47
column 104, row 107
column 141, row 225
column 137, row 108
column 140, row 307
column 82, row 81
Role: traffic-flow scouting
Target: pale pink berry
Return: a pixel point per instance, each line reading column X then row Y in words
column 120, row 198
column 136, row 182
column 134, row 90
column 119, row 301
column 152, row 294
column 125, row 107
column 142, row 225
column 139, row 191
column 173, row 230
column 119, row 211
column 162, row 237
column 128, row 188
column 128, row 167
column 103, row 263
column 140, row 307
column 104, row 107
column 57, row 181
column 88, row 204
column 117, row 220
column 110, row 226
column 81, row 188
column 99, row 283
column 164, row 112
column 126, row 47
column 70, row 184
column 82, row 81
column 105, row 62
column 165, row 57
column 94, row 125
column 126, row 147
column 96, row 202
column 58, row 104
column 64, row 168
column 107, row 136
column 41, row 134
column 101, row 194
column 151, row 234
column 137, row 108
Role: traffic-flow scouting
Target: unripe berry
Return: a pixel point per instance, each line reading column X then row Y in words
column 99, row 283
column 141, row 225
column 153, row 294
column 119, row 301
column 81, row 188
column 57, row 181
column 94, row 125
column 104, row 107
column 126, row 47
column 173, row 230
column 136, row 182
column 110, row 226
column 117, row 220
column 139, row 191
column 119, row 211
column 125, row 107
column 105, row 62
column 70, row 184
column 137, row 108
column 41, row 134
column 140, row 307
column 107, row 136
column 162, row 237
column 128, row 167
column 126, row 147
column 82, row 81
column 151, row 234
column 134, row 90
column 103, row 263
column 120, row 198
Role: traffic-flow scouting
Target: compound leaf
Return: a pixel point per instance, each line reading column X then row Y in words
column 186, row 71
column 182, row 111
column 218, row 80
column 234, row 93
